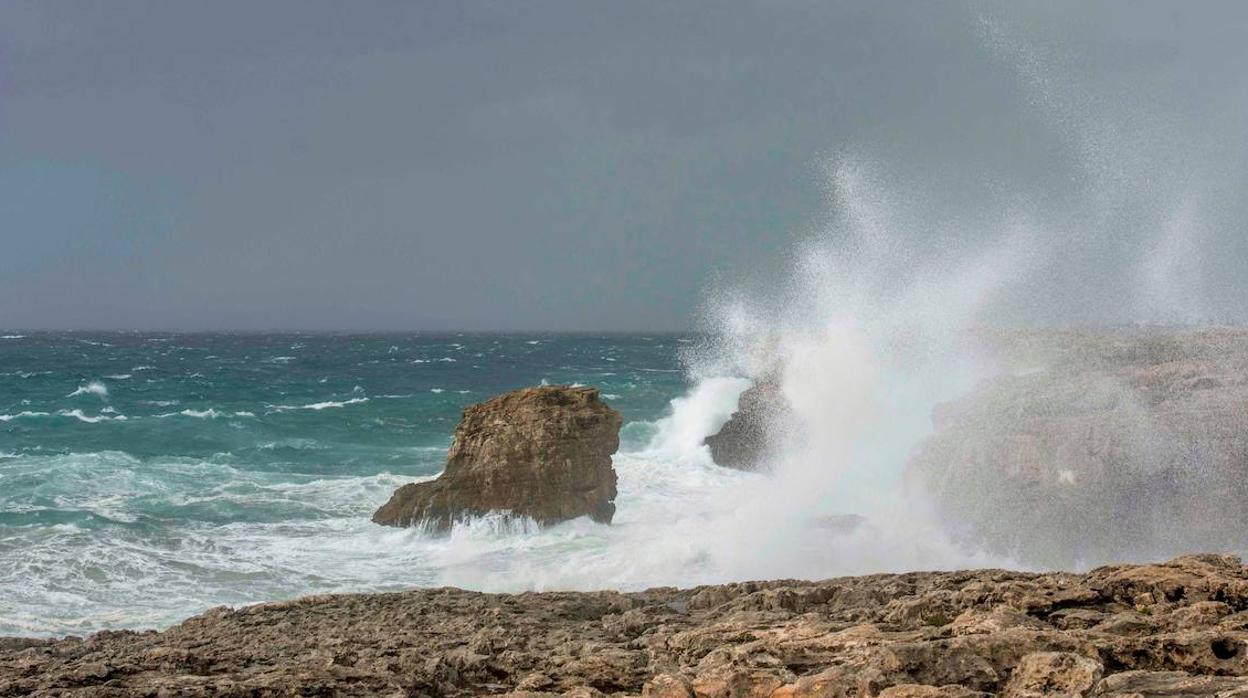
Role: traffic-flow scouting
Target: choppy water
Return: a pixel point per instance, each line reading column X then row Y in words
column 145, row 477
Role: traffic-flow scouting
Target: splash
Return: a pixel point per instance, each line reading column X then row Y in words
column 867, row 337
column 95, row 388
column 864, row 340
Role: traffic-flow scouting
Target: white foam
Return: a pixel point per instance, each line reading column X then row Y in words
column 82, row 417
column 23, row 415
column 327, row 405
column 93, row 388
column 209, row 413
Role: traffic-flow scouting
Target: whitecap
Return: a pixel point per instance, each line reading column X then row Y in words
column 93, row 388
column 13, row 336
column 80, row 416
column 22, row 415
column 329, row 404
column 119, row 376
column 436, row 390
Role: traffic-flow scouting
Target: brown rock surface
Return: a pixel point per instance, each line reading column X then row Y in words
column 542, row 452
column 1017, row 633
column 1098, row 446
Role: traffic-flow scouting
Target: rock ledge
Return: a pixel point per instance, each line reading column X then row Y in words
column 1173, row 629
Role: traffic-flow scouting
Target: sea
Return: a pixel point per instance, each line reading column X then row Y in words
column 145, row 477
column 149, row 477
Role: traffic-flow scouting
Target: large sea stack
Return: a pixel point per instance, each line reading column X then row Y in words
column 1093, row 447
column 544, row 453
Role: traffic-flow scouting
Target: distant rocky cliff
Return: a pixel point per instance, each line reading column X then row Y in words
column 1093, row 447
column 543, row 453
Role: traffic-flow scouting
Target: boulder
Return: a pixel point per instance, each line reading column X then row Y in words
column 543, row 453
column 1097, row 447
column 745, row 439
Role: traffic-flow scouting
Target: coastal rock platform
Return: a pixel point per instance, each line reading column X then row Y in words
column 1171, row 629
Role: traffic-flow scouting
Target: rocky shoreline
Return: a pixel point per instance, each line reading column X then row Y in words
column 1176, row 628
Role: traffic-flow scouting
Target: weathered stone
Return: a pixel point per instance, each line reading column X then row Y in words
column 1146, row 684
column 1013, row 633
column 542, row 453
column 1053, row 674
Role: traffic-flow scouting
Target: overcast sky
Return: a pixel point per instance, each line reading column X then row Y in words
column 599, row 165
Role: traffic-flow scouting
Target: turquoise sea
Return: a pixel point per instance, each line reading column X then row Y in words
column 148, row 476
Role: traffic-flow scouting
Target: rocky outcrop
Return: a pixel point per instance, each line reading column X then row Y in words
column 1173, row 629
column 745, row 439
column 543, row 453
column 1094, row 447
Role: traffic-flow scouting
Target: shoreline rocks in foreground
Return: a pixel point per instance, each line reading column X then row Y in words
column 542, row 452
column 1173, row 629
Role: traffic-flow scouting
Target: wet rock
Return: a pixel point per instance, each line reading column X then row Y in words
column 745, row 439
column 542, row 453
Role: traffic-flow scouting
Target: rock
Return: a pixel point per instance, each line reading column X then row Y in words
column 667, row 686
column 1053, row 674
column 745, row 439
column 1146, row 684
column 914, row 690
column 1013, row 634
column 543, row 453
column 1096, row 447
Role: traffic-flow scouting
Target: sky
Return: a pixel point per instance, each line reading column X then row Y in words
column 603, row 166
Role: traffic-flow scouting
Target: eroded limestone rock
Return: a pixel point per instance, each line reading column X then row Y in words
column 544, row 453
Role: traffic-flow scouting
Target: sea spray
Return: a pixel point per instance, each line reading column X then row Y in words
column 866, row 340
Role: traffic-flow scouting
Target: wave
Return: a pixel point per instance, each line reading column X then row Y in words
column 23, row 415
column 319, row 405
column 119, row 376
column 80, row 416
column 93, row 388
column 13, row 336
column 209, row 413
column 26, row 374
column 75, row 413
